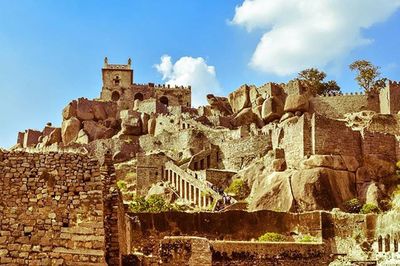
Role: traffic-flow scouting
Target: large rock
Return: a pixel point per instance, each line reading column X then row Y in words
column 272, row 109
column 219, row 103
column 96, row 130
column 70, row 110
column 70, row 129
column 322, row 188
column 273, row 193
column 336, row 162
column 240, row 99
column 296, row 103
column 131, row 123
column 98, row 111
column 54, row 137
column 84, row 109
column 83, row 138
column 247, row 117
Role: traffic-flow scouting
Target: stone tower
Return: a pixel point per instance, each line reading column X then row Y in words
column 115, row 79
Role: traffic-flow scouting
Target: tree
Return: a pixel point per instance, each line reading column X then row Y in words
column 368, row 77
column 314, row 79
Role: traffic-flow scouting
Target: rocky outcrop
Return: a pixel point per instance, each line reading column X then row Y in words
column 272, row 109
column 296, row 103
column 131, row 123
column 240, row 99
column 70, row 129
column 247, row 117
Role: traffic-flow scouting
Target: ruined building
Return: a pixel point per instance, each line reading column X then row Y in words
column 66, row 193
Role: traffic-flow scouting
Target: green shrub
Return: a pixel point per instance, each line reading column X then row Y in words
column 398, row 165
column 307, row 239
column 238, row 188
column 352, row 206
column 369, row 208
column 272, row 237
column 155, row 203
column 121, row 184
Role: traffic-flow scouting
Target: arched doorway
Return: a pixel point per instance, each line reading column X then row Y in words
column 115, row 96
column 164, row 100
column 138, row 96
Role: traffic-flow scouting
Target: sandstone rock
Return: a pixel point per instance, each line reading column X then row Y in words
column 330, row 161
column 83, row 138
column 286, row 116
column 322, row 188
column 70, row 110
column 246, row 117
column 296, row 103
column 96, row 130
column 219, row 103
column 372, row 194
column 273, row 193
column 272, row 108
column 69, row 130
column 279, row 165
column 84, row 109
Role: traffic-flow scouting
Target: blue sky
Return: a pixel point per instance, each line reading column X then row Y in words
column 51, row 52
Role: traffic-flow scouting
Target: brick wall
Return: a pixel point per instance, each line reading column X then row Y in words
column 380, row 144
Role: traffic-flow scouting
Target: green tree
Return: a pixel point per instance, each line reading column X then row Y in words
column 314, row 79
column 368, row 76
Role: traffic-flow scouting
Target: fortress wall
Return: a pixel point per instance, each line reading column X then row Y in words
column 178, row 96
column 333, row 137
column 51, row 209
column 337, row 106
column 146, row 230
column 379, row 144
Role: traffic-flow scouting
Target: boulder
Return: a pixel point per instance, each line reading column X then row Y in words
column 69, row 130
column 330, row 161
column 84, row 109
column 98, row 111
column 279, row 165
column 83, row 138
column 286, row 116
column 70, row 110
column 322, row 188
column 54, row 137
column 96, row 130
column 131, row 123
column 272, row 109
column 240, row 99
column 372, row 194
column 219, row 103
column 296, row 103
column 247, row 117
column 273, row 193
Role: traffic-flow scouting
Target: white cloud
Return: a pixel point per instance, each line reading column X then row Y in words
column 190, row 71
column 308, row 33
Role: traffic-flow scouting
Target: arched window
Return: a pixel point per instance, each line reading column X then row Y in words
column 164, row 100
column 138, row 96
column 115, row 96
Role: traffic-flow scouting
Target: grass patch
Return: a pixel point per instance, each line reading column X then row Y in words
column 272, row 237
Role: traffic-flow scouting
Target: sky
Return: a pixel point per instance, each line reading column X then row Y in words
column 51, row 52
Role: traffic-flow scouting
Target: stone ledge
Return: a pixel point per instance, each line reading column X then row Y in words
column 91, row 252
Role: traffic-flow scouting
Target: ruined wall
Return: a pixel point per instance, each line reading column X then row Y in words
column 337, row 106
column 379, row 144
column 390, row 98
column 51, row 209
column 149, row 170
column 334, row 137
column 178, row 96
column 145, row 230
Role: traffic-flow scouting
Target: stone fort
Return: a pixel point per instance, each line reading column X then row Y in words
column 301, row 156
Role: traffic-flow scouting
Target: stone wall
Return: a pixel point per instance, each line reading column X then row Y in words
column 337, row 106
column 149, row 170
column 379, row 144
column 145, row 230
column 390, row 98
column 51, row 209
column 334, row 137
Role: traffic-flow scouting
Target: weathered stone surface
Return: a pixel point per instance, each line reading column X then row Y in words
column 152, row 125
column 70, row 110
column 83, row 138
column 296, row 103
column 145, row 122
column 219, row 103
column 247, row 117
column 84, row 110
column 96, row 130
column 273, row 193
column 272, row 109
column 322, row 188
column 98, row 111
column 240, row 99
column 70, row 129
column 131, row 123
column 279, row 165
column 54, row 137
column 330, row 161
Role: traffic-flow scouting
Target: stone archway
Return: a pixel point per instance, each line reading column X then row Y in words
column 138, row 96
column 164, row 100
column 115, row 96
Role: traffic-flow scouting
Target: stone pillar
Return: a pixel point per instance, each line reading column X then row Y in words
column 190, row 193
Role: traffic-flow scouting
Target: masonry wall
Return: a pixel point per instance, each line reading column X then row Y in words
column 149, row 170
column 334, row 137
column 379, row 144
column 337, row 106
column 51, row 209
column 145, row 230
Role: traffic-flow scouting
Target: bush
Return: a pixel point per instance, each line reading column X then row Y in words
column 272, row 237
column 369, row 208
column 352, row 206
column 307, row 239
column 398, row 165
column 238, row 188
column 121, row 184
column 155, row 203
